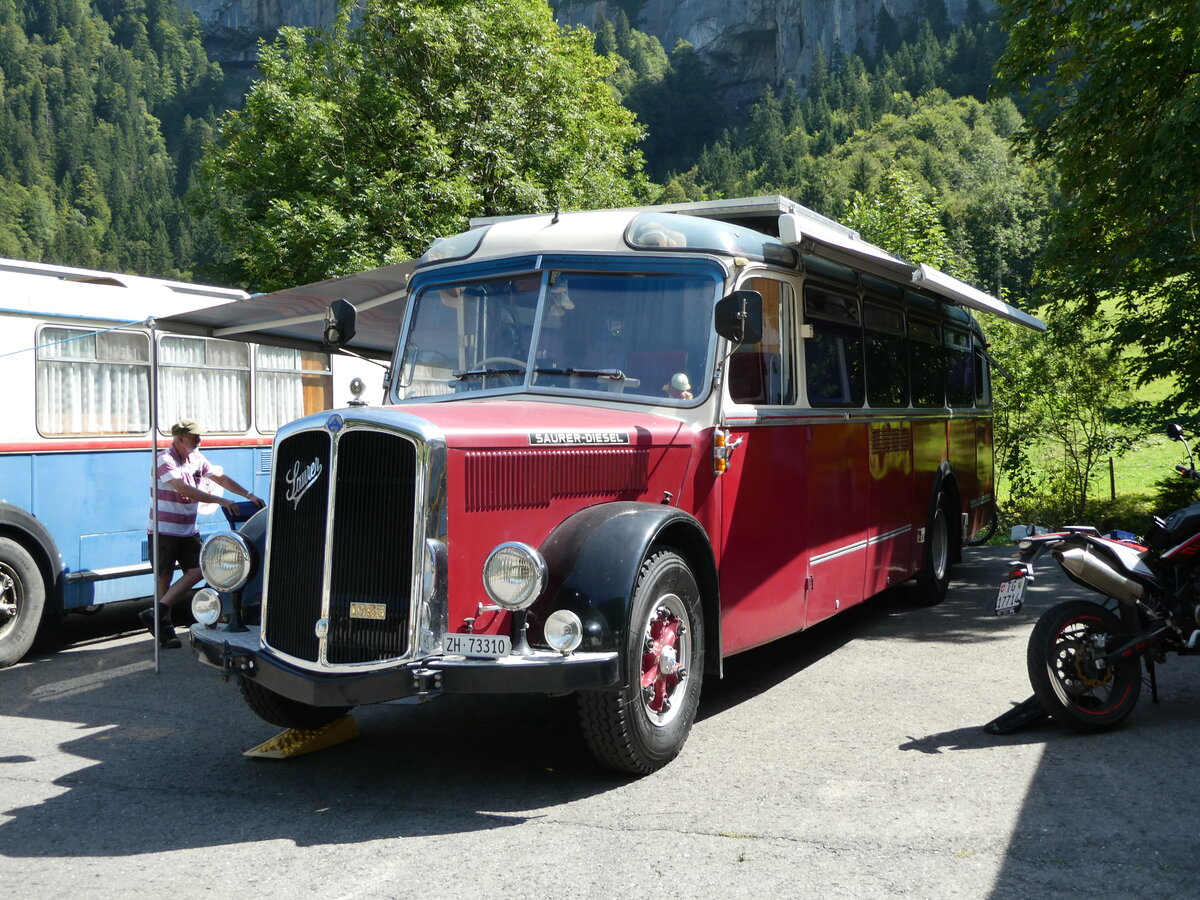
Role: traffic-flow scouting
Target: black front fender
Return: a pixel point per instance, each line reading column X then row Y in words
column 594, row 558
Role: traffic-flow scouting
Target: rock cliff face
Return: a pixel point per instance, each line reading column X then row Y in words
column 748, row 43
column 753, row 43
column 232, row 28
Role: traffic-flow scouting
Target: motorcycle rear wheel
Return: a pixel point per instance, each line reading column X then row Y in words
column 1065, row 679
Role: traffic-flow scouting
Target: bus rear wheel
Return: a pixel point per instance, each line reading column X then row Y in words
column 642, row 726
column 287, row 713
column 22, row 600
column 934, row 578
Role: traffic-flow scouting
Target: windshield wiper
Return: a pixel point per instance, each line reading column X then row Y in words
column 614, row 374
column 482, row 373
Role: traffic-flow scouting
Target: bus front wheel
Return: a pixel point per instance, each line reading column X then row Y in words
column 643, row 725
column 276, row 709
column 22, row 599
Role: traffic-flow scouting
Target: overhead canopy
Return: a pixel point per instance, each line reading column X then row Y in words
column 295, row 317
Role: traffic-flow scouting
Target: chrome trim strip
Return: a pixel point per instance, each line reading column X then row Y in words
column 841, row 551
column 895, row 532
column 109, row 573
column 981, row 501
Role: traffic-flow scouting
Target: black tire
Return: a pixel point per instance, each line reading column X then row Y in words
column 934, row 578
column 639, row 729
column 279, row 710
column 22, row 601
column 1064, row 681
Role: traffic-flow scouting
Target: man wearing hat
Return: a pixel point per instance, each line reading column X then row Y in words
column 181, row 470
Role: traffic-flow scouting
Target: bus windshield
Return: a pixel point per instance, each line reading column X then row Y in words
column 649, row 337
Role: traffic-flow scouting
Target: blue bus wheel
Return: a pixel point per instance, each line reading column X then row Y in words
column 22, row 599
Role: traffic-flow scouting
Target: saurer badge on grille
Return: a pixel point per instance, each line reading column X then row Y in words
column 300, row 480
column 578, row 437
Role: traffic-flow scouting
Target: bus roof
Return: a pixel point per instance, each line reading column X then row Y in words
column 48, row 290
column 794, row 225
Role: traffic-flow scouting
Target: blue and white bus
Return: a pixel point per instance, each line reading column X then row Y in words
column 76, row 449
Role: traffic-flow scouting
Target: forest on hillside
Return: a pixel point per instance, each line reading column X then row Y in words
column 106, row 107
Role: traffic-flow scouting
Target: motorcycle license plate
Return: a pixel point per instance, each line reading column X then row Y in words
column 1011, row 596
column 483, row 646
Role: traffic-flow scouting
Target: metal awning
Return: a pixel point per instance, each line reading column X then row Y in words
column 295, row 317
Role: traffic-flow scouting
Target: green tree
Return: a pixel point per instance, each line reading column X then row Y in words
column 1056, row 417
column 1115, row 107
column 899, row 218
column 361, row 144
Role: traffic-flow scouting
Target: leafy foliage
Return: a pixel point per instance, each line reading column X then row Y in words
column 1116, row 108
column 361, row 144
column 1054, row 426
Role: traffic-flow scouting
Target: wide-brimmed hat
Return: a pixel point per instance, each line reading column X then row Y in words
column 187, row 426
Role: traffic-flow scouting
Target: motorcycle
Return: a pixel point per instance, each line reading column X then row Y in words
column 1085, row 658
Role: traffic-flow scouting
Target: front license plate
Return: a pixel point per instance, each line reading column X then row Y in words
column 1011, row 596
column 485, row 646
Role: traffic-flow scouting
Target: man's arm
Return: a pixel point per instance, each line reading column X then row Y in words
column 230, row 485
column 182, row 487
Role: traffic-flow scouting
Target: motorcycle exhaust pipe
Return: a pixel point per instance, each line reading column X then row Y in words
column 1099, row 574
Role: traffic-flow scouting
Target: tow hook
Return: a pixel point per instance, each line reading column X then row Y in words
column 234, row 662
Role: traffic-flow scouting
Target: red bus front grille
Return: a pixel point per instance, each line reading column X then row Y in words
column 524, row 479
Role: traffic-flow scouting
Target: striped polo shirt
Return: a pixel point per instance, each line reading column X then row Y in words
column 177, row 513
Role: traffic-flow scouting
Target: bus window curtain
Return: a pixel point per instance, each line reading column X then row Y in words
column 204, row 380
column 92, row 383
column 290, row 384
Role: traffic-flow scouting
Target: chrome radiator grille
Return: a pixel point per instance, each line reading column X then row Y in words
column 367, row 535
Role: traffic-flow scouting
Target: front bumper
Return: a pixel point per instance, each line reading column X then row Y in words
column 542, row 671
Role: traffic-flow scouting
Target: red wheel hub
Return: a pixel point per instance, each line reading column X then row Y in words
column 661, row 671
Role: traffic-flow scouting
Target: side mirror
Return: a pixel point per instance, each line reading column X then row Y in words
column 339, row 324
column 1175, row 431
column 739, row 317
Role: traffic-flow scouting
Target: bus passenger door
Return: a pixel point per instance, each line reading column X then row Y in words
column 763, row 493
column 838, row 474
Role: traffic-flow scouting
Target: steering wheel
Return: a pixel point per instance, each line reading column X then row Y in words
column 508, row 378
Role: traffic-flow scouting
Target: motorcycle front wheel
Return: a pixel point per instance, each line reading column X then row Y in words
column 1066, row 678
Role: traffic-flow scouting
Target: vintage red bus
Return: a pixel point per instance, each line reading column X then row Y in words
column 621, row 446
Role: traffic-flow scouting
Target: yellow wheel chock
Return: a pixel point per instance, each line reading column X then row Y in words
column 297, row 741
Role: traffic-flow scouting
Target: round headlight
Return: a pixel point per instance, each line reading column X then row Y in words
column 225, row 561
column 206, row 606
column 514, row 575
column 564, row 631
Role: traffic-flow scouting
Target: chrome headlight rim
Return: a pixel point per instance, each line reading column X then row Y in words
column 206, row 607
column 235, row 571
column 563, row 631
column 514, row 575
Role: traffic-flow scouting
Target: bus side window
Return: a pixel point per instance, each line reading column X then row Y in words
column 206, row 379
column 960, row 369
column 89, row 383
column 761, row 373
column 289, row 384
column 983, row 385
column 833, row 356
column 887, row 356
column 927, row 364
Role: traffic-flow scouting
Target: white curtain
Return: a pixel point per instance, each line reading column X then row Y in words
column 92, row 383
column 290, row 384
column 205, row 380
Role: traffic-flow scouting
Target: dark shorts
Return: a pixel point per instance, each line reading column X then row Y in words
column 174, row 549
